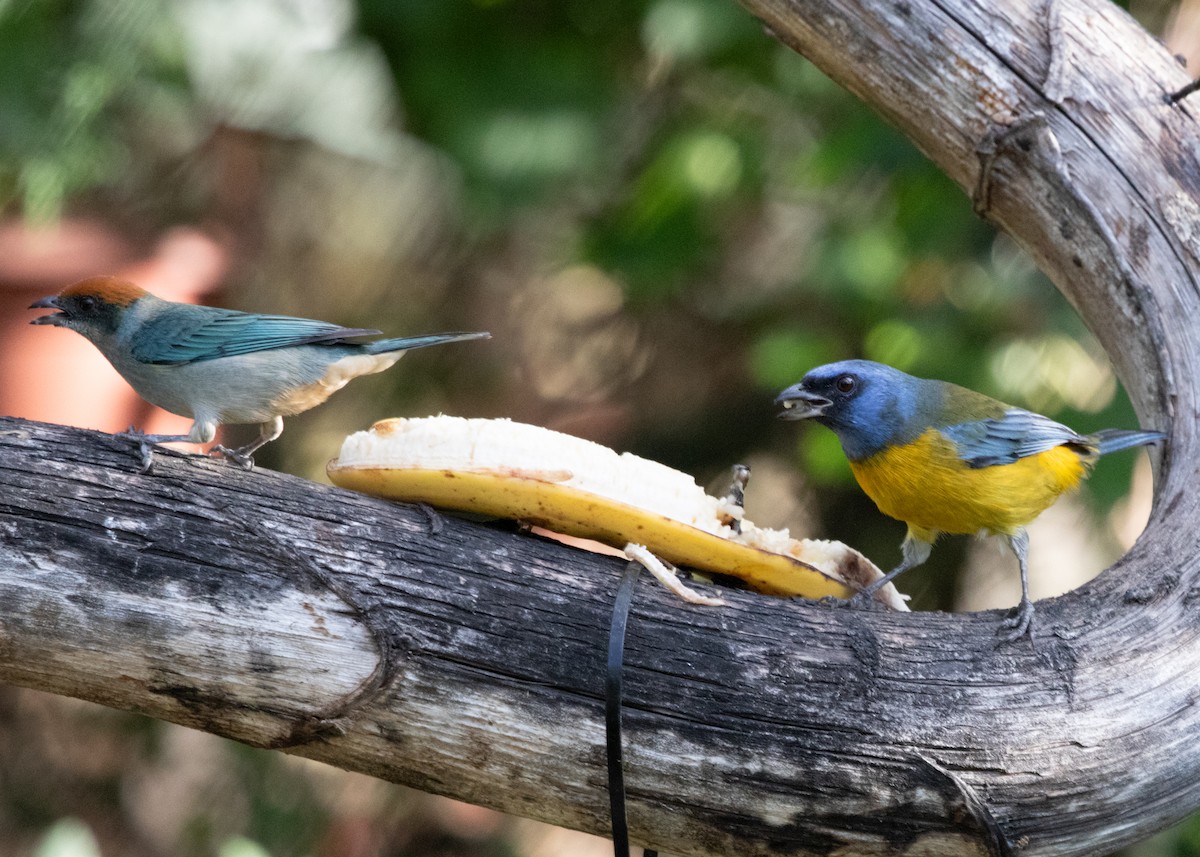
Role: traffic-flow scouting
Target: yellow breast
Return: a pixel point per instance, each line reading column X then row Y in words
column 926, row 485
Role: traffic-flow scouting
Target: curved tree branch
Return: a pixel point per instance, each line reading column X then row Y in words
column 468, row 661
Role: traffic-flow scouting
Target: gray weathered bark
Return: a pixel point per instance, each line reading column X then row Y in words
column 467, row 660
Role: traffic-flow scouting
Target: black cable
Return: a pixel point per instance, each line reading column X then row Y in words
column 1176, row 97
column 612, row 712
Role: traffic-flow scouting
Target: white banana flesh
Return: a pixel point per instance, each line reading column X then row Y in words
column 580, row 488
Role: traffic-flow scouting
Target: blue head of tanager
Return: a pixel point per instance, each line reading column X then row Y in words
column 945, row 459
column 220, row 366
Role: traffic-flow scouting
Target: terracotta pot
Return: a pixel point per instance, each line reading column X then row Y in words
column 54, row 375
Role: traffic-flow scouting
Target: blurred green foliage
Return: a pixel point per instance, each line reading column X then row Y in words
column 671, row 133
column 664, row 215
column 74, row 77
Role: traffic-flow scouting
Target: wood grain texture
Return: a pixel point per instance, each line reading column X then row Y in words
column 467, row 659
column 1053, row 116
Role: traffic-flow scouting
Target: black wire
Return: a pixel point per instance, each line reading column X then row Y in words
column 1176, row 97
column 612, row 712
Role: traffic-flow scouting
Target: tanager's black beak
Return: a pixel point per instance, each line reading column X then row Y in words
column 800, row 404
column 53, row 318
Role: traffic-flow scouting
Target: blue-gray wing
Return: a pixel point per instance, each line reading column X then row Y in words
column 1003, row 440
column 190, row 334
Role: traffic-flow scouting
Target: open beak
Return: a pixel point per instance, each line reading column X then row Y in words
column 55, row 318
column 799, row 404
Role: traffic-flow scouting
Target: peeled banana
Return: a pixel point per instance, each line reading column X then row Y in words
column 569, row 485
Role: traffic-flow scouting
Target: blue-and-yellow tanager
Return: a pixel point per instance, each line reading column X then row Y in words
column 945, row 459
column 220, row 366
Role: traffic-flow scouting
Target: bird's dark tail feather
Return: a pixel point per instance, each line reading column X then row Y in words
column 1114, row 440
column 408, row 343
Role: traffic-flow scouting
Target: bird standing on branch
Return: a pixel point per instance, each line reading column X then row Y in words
column 945, row 459
column 220, row 366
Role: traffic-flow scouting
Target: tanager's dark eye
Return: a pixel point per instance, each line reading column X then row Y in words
column 87, row 303
column 846, row 384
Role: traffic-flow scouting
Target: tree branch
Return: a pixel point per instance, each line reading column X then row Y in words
column 468, row 661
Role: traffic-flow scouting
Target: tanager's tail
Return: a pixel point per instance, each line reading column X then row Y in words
column 1114, row 440
column 408, row 343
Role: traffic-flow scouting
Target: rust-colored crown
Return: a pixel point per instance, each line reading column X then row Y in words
column 111, row 290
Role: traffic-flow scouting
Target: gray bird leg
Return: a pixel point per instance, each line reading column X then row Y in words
column 146, row 444
column 913, row 552
column 203, row 431
column 243, row 455
column 1020, row 622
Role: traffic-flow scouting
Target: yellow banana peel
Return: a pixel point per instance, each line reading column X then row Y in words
column 572, row 486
